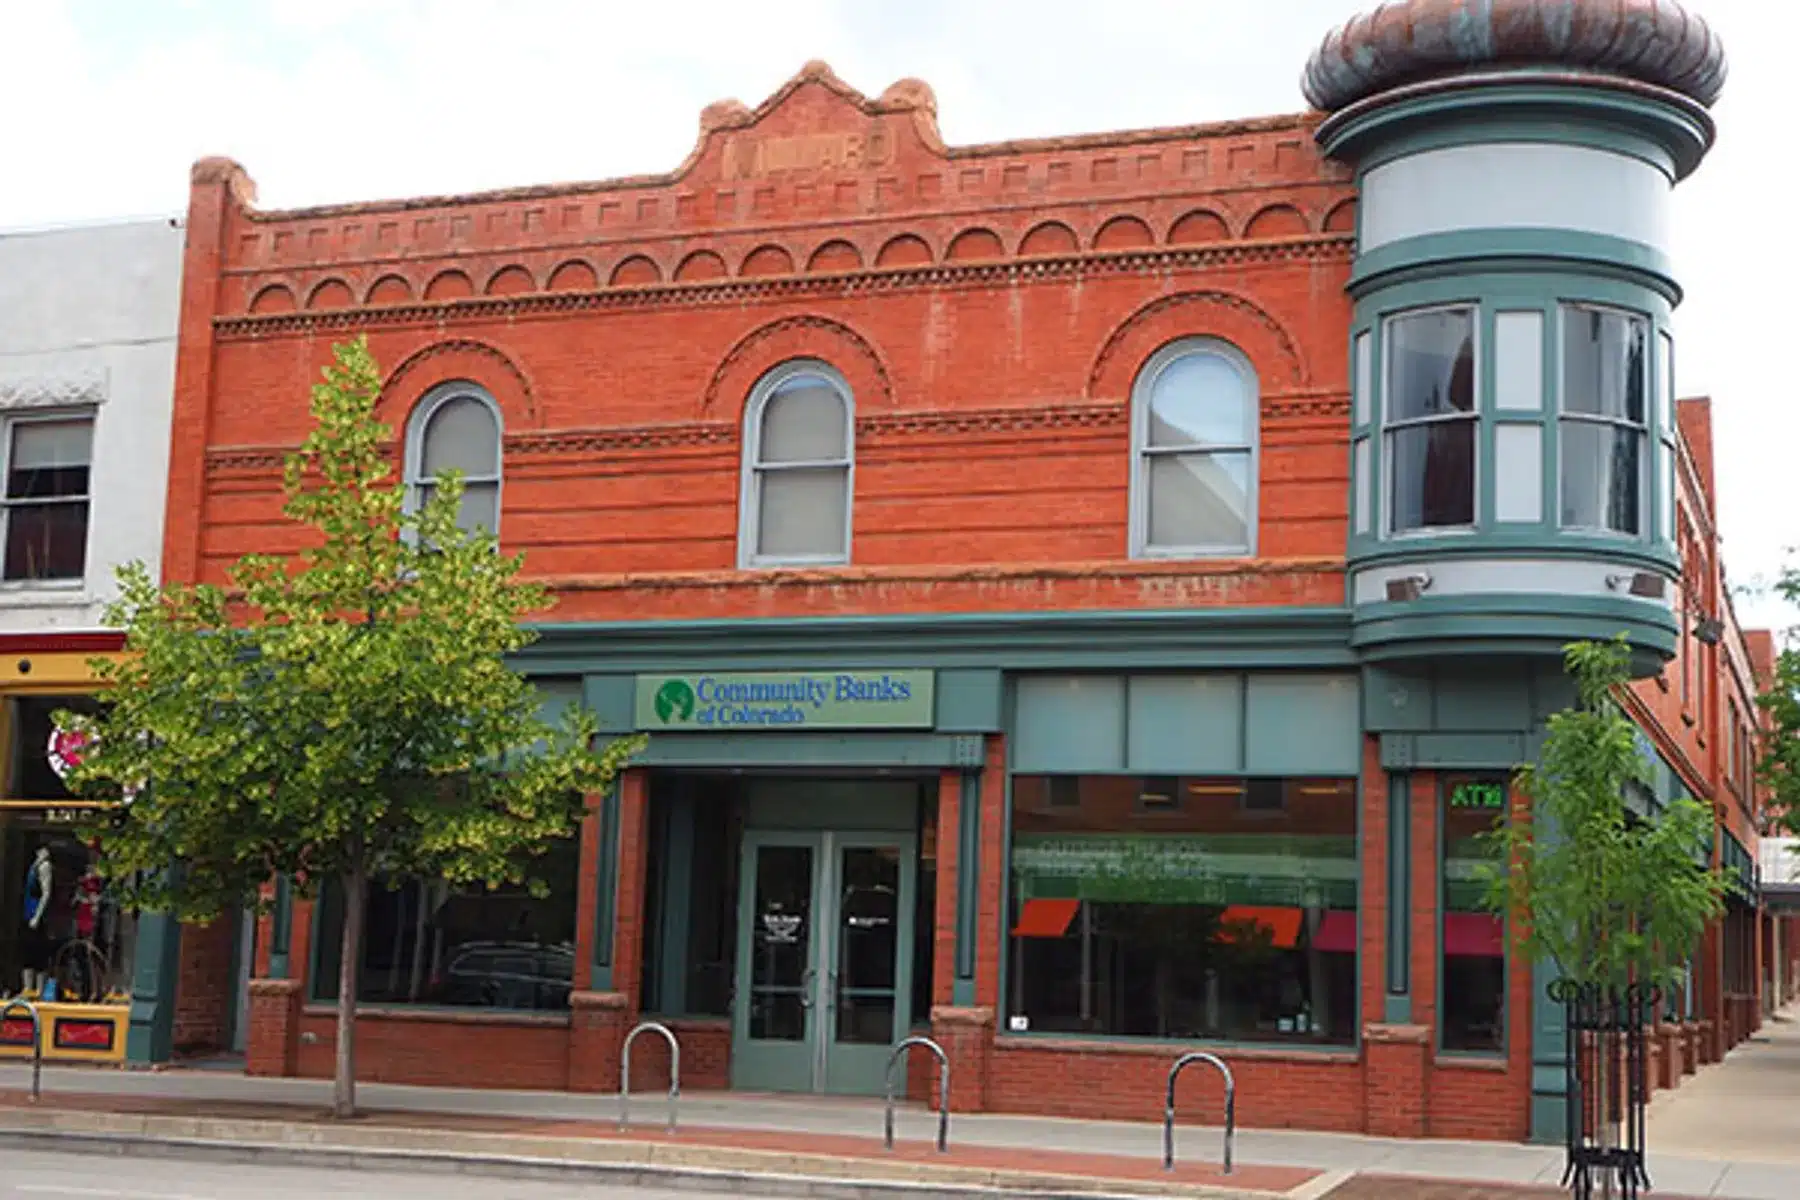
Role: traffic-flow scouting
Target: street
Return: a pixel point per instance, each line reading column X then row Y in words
column 37, row 1175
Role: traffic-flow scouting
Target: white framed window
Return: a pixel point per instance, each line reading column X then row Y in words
column 1604, row 418
column 1195, row 415
column 799, row 462
column 457, row 427
column 45, row 505
column 1430, row 419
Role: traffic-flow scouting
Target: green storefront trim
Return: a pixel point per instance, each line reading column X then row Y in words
column 1217, row 869
column 1459, row 252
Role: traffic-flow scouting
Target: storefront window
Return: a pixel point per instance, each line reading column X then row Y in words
column 1473, row 943
column 428, row 942
column 62, row 936
column 1184, row 907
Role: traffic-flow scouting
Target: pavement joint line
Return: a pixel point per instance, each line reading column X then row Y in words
column 837, row 1181
column 1323, row 1186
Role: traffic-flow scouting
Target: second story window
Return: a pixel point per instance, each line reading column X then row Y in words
column 1195, row 412
column 456, row 427
column 799, row 454
column 46, row 497
column 1605, row 403
column 1429, row 403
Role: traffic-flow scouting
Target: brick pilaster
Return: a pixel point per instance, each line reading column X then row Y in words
column 1396, row 1074
column 272, row 1044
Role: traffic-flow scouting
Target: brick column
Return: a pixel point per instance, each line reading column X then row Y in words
column 967, row 1036
column 1668, row 1041
column 1395, row 1076
column 598, row 1023
column 1690, row 1047
column 272, row 1044
column 1709, row 1042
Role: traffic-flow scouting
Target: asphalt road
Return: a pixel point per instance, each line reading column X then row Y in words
column 35, row 1175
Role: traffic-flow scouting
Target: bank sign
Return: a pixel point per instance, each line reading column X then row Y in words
column 786, row 701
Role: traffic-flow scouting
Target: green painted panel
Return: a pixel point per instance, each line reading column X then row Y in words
column 760, row 701
column 1452, row 751
column 1396, row 700
column 1185, row 724
column 1398, row 1007
column 968, row 885
column 970, row 701
column 861, row 804
column 150, row 1033
column 611, row 698
column 1069, row 723
column 1326, row 707
column 1433, row 256
column 1498, row 696
column 850, row 750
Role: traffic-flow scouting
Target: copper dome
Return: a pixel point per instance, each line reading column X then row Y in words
column 1406, row 41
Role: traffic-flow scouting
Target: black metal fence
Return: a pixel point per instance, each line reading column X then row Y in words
column 1608, row 1074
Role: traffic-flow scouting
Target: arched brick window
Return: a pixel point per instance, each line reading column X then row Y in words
column 456, row 427
column 799, row 456
column 1194, row 433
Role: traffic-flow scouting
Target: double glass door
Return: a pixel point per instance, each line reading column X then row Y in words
column 824, row 958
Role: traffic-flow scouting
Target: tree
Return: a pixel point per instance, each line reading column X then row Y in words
column 1611, row 900
column 1778, row 758
column 345, row 714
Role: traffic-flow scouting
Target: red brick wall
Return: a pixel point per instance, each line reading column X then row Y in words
column 204, row 996
column 458, row 1049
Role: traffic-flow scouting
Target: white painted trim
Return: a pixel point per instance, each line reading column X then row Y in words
column 750, row 470
column 1154, row 366
column 1510, row 577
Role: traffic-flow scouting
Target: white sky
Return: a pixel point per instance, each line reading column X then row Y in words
column 107, row 102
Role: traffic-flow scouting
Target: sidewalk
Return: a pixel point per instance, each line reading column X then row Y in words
column 837, row 1139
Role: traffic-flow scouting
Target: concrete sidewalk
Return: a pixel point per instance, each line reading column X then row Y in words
column 1345, row 1167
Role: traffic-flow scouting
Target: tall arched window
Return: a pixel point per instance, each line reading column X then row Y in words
column 456, row 427
column 1194, row 435
column 799, row 452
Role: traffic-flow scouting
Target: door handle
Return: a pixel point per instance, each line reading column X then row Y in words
column 806, row 986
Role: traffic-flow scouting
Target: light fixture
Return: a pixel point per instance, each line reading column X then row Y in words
column 1708, row 631
column 1646, row 585
column 1407, row 587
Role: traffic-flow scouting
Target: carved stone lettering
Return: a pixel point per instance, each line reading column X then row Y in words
column 748, row 157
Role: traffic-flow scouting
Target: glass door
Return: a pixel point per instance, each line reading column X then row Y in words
column 824, row 981
column 774, row 1025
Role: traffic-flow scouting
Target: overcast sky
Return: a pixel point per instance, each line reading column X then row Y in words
column 107, row 102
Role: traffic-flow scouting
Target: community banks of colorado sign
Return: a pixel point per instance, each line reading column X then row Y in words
column 786, row 700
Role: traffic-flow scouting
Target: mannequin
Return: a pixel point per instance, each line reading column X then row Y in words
column 40, row 881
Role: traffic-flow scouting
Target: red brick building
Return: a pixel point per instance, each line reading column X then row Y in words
column 1053, row 635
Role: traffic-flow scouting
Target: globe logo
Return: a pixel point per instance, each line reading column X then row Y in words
column 674, row 701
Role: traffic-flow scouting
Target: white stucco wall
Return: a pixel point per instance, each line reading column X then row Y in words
column 88, row 319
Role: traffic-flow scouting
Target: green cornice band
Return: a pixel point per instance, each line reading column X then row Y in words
column 1532, row 544
column 1478, row 625
column 1516, row 252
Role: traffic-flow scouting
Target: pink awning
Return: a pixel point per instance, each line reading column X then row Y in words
column 1473, row 935
column 1336, row 933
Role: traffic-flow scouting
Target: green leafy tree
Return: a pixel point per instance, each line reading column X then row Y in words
column 1778, row 754
column 1611, row 900
column 342, row 715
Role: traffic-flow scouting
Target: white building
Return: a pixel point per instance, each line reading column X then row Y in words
column 88, row 319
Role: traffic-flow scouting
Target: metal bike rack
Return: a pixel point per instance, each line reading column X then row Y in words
column 625, row 1071
column 899, row 1054
column 1169, row 1106
column 37, row 1038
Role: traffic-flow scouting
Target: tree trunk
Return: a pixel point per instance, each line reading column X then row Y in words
column 343, row 1091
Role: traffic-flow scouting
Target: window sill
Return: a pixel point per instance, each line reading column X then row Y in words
column 32, row 593
column 1492, row 1061
column 1163, row 1047
column 444, row 1014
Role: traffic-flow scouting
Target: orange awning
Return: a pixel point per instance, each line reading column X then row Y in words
column 1282, row 923
column 1046, row 918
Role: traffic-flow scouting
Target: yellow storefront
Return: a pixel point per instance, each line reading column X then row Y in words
column 64, row 945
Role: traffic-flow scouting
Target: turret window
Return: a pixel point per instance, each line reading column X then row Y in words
column 1431, row 420
column 1605, row 419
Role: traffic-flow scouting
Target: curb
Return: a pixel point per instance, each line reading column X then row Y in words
column 634, row 1164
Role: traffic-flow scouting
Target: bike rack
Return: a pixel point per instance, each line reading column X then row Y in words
column 1169, row 1106
column 625, row 1071
column 943, row 1136
column 37, row 1038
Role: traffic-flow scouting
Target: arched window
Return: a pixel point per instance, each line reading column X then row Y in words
column 456, row 427
column 1194, row 437
column 799, row 450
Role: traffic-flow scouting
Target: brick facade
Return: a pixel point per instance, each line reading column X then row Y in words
column 990, row 308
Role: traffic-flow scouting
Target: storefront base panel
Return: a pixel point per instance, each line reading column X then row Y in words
column 69, row 1033
column 1106, row 1082
column 442, row 1049
column 1479, row 1101
column 705, row 1058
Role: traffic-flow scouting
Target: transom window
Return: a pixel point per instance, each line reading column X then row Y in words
column 1605, row 405
column 46, row 499
column 1431, row 419
column 799, row 454
column 1194, row 419
column 456, row 427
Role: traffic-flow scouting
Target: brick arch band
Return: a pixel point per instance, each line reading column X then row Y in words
column 799, row 337
column 1218, row 314
column 461, row 358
